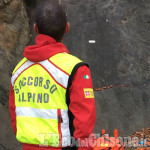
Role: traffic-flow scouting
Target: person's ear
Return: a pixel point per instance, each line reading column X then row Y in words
column 67, row 27
column 36, row 28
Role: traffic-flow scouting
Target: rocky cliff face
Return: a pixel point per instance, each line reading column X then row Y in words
column 120, row 28
column 14, row 36
column 120, row 57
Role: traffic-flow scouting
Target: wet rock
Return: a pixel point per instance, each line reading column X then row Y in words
column 124, row 108
column 7, row 137
column 2, row 147
column 121, row 31
column 120, row 56
column 14, row 36
column 7, row 1
column 1, row 4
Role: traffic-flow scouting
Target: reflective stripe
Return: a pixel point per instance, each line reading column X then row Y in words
column 57, row 74
column 65, row 128
column 48, row 114
column 36, row 112
column 20, row 70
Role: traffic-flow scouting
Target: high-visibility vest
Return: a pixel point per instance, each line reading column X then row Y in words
column 40, row 99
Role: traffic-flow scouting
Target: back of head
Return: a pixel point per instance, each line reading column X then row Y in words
column 51, row 19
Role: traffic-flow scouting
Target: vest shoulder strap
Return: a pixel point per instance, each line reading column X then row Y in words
column 70, row 114
column 19, row 65
column 71, row 78
column 69, row 64
column 65, row 61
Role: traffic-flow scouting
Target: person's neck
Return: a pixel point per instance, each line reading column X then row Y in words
column 61, row 41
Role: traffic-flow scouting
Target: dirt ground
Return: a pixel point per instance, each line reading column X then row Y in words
column 144, row 134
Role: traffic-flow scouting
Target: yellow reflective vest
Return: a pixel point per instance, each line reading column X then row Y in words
column 40, row 98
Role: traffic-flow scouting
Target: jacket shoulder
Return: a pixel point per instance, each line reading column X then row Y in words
column 19, row 65
column 65, row 61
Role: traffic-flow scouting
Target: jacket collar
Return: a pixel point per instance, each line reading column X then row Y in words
column 45, row 48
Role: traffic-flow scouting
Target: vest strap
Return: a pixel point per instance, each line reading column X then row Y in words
column 71, row 78
column 59, row 76
column 71, row 116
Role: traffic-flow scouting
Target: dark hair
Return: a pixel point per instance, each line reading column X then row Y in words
column 51, row 19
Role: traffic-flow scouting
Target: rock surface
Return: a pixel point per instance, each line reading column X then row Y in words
column 121, row 30
column 14, row 36
column 120, row 56
column 123, row 108
column 7, row 137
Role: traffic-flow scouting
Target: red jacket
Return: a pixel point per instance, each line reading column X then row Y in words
column 82, row 108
